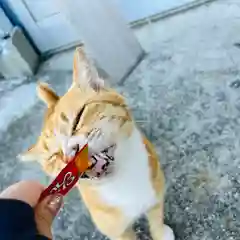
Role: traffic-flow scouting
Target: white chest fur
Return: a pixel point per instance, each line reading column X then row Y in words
column 130, row 187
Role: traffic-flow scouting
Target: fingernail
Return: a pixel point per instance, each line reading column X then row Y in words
column 55, row 203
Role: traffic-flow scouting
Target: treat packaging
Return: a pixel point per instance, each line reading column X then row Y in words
column 69, row 176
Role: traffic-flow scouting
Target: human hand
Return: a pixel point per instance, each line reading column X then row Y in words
column 45, row 211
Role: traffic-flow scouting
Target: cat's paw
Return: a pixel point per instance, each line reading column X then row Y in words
column 168, row 233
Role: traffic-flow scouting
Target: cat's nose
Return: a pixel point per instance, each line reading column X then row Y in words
column 66, row 159
column 71, row 153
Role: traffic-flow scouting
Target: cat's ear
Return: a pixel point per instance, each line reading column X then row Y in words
column 46, row 94
column 32, row 154
column 85, row 74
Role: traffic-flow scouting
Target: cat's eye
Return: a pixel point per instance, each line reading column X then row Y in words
column 77, row 119
column 64, row 117
column 53, row 158
column 45, row 146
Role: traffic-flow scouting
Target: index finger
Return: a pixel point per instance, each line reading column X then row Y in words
column 26, row 191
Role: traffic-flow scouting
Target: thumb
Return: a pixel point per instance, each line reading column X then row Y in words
column 45, row 213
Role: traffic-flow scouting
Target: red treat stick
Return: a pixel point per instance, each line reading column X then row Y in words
column 67, row 178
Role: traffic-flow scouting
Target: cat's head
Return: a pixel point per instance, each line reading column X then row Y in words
column 88, row 112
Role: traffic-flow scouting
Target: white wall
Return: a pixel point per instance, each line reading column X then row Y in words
column 5, row 24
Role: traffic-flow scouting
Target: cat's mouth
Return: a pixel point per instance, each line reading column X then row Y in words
column 101, row 163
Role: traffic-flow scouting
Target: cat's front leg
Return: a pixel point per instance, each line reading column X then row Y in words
column 158, row 229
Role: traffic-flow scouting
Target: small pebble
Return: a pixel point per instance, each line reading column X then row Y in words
column 235, row 84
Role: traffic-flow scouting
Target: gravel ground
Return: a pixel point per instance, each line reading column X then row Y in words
column 185, row 95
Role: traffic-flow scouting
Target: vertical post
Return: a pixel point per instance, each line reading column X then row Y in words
column 105, row 35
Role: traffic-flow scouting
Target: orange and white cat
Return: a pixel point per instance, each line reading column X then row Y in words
column 126, row 180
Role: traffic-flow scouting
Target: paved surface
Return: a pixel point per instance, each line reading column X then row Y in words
column 185, row 95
